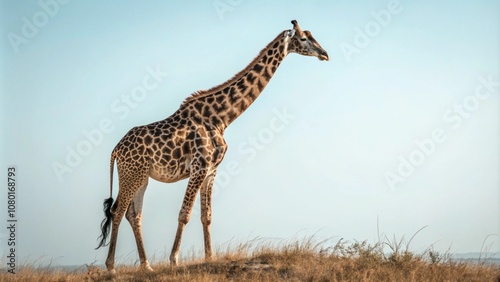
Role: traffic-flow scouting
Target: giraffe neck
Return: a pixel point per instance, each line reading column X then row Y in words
column 221, row 105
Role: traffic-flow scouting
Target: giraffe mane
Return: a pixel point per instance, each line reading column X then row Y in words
column 204, row 93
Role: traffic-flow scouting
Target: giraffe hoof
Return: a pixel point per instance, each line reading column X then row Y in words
column 147, row 268
column 173, row 262
column 112, row 271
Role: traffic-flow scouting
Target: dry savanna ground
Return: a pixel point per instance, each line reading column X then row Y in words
column 303, row 260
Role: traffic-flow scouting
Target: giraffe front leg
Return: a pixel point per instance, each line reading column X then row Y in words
column 194, row 184
column 206, row 213
column 177, row 242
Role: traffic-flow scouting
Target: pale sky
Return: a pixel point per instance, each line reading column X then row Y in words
column 401, row 126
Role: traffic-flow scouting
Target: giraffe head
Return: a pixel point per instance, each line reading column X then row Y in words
column 303, row 43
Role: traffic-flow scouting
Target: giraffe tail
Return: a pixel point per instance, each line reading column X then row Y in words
column 108, row 203
column 106, row 222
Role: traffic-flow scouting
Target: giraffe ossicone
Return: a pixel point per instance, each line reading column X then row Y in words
column 190, row 144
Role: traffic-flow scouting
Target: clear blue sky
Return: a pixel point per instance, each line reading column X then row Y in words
column 401, row 125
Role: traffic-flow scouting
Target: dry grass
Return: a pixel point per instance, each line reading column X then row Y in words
column 303, row 260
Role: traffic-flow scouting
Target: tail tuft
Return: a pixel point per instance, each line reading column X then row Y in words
column 106, row 222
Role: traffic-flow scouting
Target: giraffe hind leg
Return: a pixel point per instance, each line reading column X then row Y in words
column 117, row 211
column 134, row 217
column 129, row 185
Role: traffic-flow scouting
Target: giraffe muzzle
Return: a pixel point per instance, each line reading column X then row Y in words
column 323, row 56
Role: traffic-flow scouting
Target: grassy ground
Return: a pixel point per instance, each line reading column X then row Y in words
column 305, row 260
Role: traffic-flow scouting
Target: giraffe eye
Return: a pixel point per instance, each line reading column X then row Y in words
column 303, row 39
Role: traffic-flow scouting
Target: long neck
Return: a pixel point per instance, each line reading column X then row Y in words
column 221, row 105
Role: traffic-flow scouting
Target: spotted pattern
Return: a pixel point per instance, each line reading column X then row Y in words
column 190, row 144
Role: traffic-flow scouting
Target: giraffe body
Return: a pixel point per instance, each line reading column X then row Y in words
column 190, row 144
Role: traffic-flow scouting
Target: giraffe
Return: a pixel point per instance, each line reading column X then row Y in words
column 190, row 144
